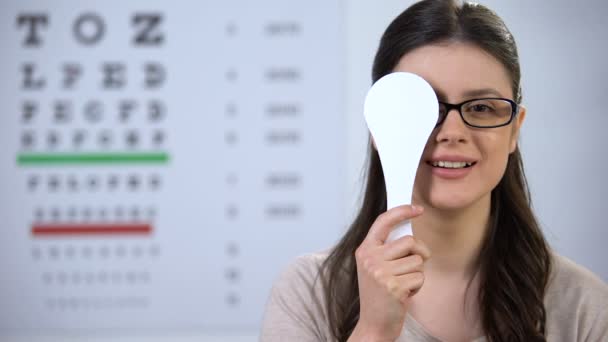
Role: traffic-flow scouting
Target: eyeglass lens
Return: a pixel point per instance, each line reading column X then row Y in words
column 482, row 112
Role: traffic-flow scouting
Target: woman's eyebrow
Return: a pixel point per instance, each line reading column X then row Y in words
column 472, row 93
column 482, row 92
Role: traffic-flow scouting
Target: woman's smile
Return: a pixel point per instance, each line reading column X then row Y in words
column 451, row 166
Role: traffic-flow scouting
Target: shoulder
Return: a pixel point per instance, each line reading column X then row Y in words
column 304, row 267
column 575, row 281
column 576, row 302
column 296, row 308
column 301, row 276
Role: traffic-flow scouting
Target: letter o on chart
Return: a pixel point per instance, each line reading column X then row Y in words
column 89, row 28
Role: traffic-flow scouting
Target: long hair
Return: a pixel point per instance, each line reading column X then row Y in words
column 515, row 260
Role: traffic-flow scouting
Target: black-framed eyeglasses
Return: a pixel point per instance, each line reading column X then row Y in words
column 489, row 112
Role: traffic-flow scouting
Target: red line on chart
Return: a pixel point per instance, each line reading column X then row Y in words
column 90, row 229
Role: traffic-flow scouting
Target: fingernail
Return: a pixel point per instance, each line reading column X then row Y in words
column 417, row 209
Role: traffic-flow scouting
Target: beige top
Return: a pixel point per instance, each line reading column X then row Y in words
column 576, row 302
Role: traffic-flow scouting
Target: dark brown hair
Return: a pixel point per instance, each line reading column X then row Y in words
column 515, row 260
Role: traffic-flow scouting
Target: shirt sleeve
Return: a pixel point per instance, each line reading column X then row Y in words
column 594, row 312
column 295, row 310
column 576, row 303
column 599, row 328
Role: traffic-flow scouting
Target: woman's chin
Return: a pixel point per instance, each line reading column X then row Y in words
column 449, row 203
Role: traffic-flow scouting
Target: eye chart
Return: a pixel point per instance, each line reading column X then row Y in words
column 161, row 161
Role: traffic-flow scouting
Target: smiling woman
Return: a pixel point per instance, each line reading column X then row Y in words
column 479, row 267
column 461, row 72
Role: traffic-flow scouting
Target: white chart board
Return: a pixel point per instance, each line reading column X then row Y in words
column 161, row 161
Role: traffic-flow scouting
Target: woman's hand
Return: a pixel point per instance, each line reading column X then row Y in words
column 388, row 275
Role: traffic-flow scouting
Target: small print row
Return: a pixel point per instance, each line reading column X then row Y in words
column 113, row 182
column 77, row 278
column 87, row 214
column 97, row 303
column 104, row 139
column 73, row 252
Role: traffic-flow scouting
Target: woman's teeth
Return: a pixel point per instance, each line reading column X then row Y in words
column 451, row 165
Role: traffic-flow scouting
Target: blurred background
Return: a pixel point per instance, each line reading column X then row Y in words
column 162, row 161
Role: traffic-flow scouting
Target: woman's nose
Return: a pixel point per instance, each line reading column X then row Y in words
column 453, row 128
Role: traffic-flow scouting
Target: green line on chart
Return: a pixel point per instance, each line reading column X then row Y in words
column 27, row 159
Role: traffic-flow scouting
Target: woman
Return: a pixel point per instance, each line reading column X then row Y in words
column 491, row 275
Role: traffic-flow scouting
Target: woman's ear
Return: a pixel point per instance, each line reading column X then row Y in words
column 519, row 121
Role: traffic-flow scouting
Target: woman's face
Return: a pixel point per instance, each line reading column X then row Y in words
column 459, row 72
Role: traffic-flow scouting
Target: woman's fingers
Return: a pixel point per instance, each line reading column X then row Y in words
column 389, row 273
column 383, row 225
column 412, row 282
column 404, row 286
column 404, row 246
column 410, row 264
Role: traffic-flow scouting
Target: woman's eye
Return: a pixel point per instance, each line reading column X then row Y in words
column 478, row 108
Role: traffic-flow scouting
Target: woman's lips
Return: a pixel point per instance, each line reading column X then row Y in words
column 450, row 173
